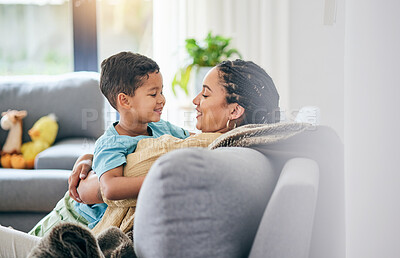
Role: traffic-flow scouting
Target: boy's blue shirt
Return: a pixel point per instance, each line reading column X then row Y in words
column 110, row 152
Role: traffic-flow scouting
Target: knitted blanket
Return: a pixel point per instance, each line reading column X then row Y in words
column 73, row 240
column 255, row 134
column 121, row 213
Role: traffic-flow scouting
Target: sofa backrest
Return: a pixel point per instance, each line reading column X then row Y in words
column 74, row 98
column 321, row 144
column 286, row 227
column 203, row 203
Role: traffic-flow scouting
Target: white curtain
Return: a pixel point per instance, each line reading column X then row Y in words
column 259, row 30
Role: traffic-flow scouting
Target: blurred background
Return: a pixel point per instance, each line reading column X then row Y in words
column 341, row 56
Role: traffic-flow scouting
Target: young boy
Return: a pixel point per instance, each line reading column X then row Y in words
column 132, row 83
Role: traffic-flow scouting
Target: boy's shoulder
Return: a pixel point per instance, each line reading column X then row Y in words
column 110, row 136
column 109, row 132
column 165, row 127
column 159, row 123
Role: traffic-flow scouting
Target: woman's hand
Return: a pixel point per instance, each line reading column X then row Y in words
column 89, row 189
column 80, row 171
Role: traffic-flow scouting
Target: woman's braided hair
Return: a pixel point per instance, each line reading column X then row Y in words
column 251, row 87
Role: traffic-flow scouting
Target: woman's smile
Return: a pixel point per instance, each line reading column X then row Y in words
column 198, row 113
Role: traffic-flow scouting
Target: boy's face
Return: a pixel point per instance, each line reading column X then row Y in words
column 148, row 102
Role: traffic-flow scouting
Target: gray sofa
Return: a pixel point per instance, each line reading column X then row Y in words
column 278, row 200
column 27, row 195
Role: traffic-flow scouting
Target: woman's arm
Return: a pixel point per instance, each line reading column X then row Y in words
column 89, row 189
column 117, row 187
column 81, row 168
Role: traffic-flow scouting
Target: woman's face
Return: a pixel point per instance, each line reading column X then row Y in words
column 212, row 109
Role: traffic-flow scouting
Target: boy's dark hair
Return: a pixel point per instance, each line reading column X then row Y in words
column 251, row 87
column 124, row 73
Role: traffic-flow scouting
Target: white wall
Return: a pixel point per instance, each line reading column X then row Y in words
column 316, row 60
column 351, row 71
column 372, row 127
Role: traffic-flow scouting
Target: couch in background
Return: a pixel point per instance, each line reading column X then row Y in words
column 27, row 195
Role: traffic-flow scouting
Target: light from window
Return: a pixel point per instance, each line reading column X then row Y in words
column 36, row 37
column 124, row 25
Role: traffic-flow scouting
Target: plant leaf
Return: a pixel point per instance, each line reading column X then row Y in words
column 185, row 79
column 175, row 82
column 208, row 52
column 233, row 51
column 181, row 79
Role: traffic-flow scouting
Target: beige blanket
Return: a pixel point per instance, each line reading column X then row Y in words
column 121, row 213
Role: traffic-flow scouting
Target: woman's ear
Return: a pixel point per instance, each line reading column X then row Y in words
column 237, row 111
column 123, row 101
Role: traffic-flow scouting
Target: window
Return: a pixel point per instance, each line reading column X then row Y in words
column 36, row 37
column 125, row 25
column 44, row 36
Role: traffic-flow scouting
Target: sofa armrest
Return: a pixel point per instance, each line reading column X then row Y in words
column 286, row 227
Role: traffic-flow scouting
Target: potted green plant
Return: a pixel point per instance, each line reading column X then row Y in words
column 206, row 53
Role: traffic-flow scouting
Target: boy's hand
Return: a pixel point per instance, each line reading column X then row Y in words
column 80, row 171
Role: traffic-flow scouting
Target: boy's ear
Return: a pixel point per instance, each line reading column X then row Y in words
column 123, row 101
column 237, row 111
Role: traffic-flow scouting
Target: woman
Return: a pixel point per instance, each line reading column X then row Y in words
column 234, row 93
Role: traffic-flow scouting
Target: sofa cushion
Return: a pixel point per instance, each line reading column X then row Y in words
column 22, row 221
column 31, row 190
column 64, row 153
column 75, row 99
column 203, row 203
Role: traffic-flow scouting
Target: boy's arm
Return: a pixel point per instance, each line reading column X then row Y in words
column 117, row 187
